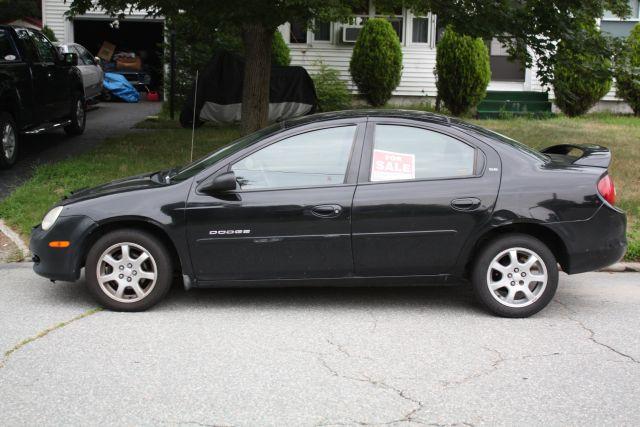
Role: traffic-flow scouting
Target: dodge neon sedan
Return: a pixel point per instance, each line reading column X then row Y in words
column 346, row 198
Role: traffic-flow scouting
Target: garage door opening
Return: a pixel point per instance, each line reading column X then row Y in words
column 142, row 38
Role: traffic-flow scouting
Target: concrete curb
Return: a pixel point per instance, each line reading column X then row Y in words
column 15, row 238
column 623, row 267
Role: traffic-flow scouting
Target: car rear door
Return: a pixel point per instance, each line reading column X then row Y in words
column 290, row 217
column 423, row 190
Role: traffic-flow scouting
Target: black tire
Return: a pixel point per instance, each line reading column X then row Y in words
column 9, row 141
column 77, row 115
column 522, row 305
column 159, row 257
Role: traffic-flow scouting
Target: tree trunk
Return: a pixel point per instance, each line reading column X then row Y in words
column 257, row 74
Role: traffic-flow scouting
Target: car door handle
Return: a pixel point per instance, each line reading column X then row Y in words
column 326, row 211
column 466, row 204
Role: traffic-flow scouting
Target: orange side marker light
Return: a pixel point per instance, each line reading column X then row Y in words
column 59, row 244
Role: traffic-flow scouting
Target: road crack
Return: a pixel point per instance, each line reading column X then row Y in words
column 592, row 334
column 7, row 354
column 408, row 417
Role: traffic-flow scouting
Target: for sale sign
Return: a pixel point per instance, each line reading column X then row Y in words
column 390, row 166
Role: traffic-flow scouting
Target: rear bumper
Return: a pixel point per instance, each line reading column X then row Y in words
column 595, row 243
column 61, row 263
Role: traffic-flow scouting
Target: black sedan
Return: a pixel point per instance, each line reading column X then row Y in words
column 346, row 198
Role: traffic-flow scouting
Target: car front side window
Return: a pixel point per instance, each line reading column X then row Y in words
column 406, row 153
column 46, row 51
column 315, row 158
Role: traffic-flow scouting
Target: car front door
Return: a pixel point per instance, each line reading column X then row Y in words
column 423, row 190
column 290, row 217
column 40, row 76
column 51, row 79
column 91, row 74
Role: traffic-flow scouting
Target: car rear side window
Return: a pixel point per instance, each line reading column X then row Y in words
column 315, row 158
column 405, row 153
column 7, row 50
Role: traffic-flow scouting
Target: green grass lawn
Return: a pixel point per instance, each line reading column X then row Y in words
column 165, row 145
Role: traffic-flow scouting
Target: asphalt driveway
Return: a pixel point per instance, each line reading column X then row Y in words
column 105, row 120
column 319, row 357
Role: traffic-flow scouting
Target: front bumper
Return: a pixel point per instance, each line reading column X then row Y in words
column 61, row 263
column 595, row 243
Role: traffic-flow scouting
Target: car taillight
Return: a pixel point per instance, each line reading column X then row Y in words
column 607, row 190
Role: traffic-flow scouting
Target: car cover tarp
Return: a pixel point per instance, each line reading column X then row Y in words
column 219, row 97
column 120, row 87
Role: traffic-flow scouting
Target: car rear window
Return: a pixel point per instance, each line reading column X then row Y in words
column 7, row 50
column 504, row 139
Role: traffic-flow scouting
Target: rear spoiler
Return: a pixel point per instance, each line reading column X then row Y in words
column 591, row 155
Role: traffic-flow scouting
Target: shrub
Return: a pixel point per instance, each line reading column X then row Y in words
column 627, row 71
column 581, row 73
column 333, row 93
column 462, row 71
column 279, row 50
column 376, row 63
column 48, row 32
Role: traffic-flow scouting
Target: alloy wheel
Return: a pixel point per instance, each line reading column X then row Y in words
column 517, row 277
column 8, row 141
column 126, row 272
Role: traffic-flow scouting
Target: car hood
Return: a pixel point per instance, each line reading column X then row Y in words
column 134, row 183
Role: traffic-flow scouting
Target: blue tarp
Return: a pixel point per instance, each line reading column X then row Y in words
column 119, row 86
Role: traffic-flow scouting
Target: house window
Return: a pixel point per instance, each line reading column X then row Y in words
column 297, row 32
column 395, row 18
column 504, row 68
column 617, row 27
column 420, row 30
column 322, row 32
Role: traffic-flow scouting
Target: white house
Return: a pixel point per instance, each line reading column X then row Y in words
column 331, row 43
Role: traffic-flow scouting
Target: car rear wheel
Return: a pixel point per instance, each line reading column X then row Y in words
column 128, row 270
column 77, row 116
column 8, row 141
column 515, row 275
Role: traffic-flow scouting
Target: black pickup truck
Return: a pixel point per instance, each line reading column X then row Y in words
column 40, row 89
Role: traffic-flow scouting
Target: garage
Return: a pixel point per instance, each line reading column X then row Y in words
column 136, row 46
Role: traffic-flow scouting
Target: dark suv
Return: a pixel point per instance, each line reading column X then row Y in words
column 40, row 89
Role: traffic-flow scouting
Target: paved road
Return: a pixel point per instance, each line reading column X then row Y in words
column 320, row 357
column 106, row 120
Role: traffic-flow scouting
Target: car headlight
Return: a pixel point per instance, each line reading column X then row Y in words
column 51, row 217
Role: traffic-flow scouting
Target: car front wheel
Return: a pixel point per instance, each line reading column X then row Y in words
column 8, row 141
column 128, row 270
column 515, row 275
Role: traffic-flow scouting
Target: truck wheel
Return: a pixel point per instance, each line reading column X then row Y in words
column 515, row 275
column 78, row 115
column 8, row 141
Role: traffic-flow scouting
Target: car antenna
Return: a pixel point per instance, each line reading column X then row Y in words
column 193, row 119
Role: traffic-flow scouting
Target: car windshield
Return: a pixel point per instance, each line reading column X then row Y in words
column 505, row 139
column 196, row 167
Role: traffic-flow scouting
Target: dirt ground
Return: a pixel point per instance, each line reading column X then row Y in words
column 9, row 252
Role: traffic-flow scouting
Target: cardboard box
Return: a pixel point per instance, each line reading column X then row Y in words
column 129, row 64
column 106, row 51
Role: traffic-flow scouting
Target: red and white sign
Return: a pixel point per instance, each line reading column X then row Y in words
column 390, row 166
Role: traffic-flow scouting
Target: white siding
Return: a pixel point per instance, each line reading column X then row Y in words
column 417, row 72
column 53, row 17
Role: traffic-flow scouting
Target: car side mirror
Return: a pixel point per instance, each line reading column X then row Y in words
column 70, row 59
column 96, row 60
column 221, row 184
